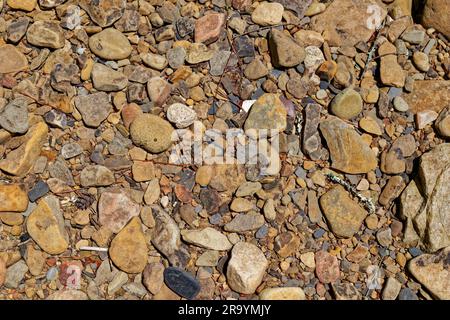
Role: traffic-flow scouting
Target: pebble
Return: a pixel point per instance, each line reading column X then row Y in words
column 181, row 282
column 13, row 60
column 327, row 267
column 13, row 198
column 26, row 5
column 46, row 34
column 207, row 238
column 208, row 27
column 347, row 104
column 15, row 274
column 267, row 14
column 153, row 277
column 71, row 150
column 94, row 108
column 245, row 222
column 103, row 12
column 151, row 133
column 181, row 115
column 287, row 293
column 107, row 79
column 284, row 50
column 246, row 268
column 400, row 104
column 110, row 44
column 268, row 112
column 421, row 61
column 38, row 191
column 115, row 209
column 96, row 176
column 14, row 117
column 128, row 249
column 407, row 294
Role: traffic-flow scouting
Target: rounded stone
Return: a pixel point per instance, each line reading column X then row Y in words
column 181, row 115
column 151, row 133
column 110, row 44
column 400, row 104
column 347, row 104
column 421, row 61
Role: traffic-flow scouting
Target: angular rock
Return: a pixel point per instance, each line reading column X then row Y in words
column 107, row 79
column 19, row 161
column 285, row 52
column 428, row 95
column 94, row 108
column 181, row 115
column 104, row 12
column 26, row 5
column 433, row 272
column 267, row 113
column 128, row 249
column 246, row 268
column 153, row 277
column 207, row 238
column 46, row 226
column 46, row 34
column 115, row 209
column 391, row 289
column 15, row 274
column 96, row 176
column 349, row 153
column 245, row 222
column 327, row 267
column 12, row 59
column 158, row 90
column 391, row 73
column 208, row 27
column 343, row 214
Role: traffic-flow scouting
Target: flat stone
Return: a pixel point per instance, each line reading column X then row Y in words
column 198, row 52
column 327, row 267
column 245, row 222
column 208, row 27
column 94, row 108
column 286, row 244
column 370, row 125
column 71, row 150
column 181, row 115
column 20, row 161
column 158, row 90
column 268, row 14
column 284, row 293
column 13, row 198
column 218, row 62
column 104, row 12
column 46, row 34
column 347, row 104
column 151, row 133
column 392, row 190
column 349, row 153
column 153, row 277
column 25, row 5
column 209, row 258
column 343, row 214
column 166, row 236
column 128, row 249
column 246, row 268
column 35, row 260
column 433, row 272
column 285, row 52
column 345, row 291
column 428, row 95
column 391, row 289
column 351, row 17
column 46, row 226
column 12, row 59
column 181, row 282
column 267, row 113
column 255, row 70
column 107, row 79
column 38, row 191
column 14, row 116
column 96, row 176
column 154, row 61
column 115, row 209
column 207, row 238
column 110, row 44
column 241, row 205
column 391, row 73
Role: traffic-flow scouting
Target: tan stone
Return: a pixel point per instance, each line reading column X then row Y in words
column 13, row 197
column 26, row 5
column 12, row 59
column 428, row 95
column 284, row 293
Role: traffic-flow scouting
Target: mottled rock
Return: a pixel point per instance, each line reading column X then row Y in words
column 151, row 133
column 268, row 112
column 46, row 34
column 153, row 277
column 158, row 90
column 428, row 95
column 327, row 267
column 343, row 214
column 107, row 79
column 181, row 115
column 15, row 274
column 94, row 108
column 347, row 104
column 245, row 222
column 115, row 209
column 104, row 12
column 96, row 176
column 13, row 198
column 208, row 27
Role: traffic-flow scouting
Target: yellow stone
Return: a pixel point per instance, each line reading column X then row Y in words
column 369, row 125
column 287, row 293
column 26, row 5
column 13, row 198
column 19, row 161
column 86, row 71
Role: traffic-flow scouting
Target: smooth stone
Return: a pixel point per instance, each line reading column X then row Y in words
column 400, row 104
column 443, row 122
column 246, row 268
column 245, row 222
column 391, row 73
column 347, row 104
column 128, row 249
column 255, row 70
column 284, row 293
column 158, row 90
column 153, row 277
column 208, row 238
column 268, row 14
column 38, row 191
column 421, row 61
column 391, row 289
column 71, row 150
column 285, row 52
column 110, row 44
column 25, row 5
column 94, row 108
column 14, row 116
column 46, row 34
column 106, row 79
column 181, row 282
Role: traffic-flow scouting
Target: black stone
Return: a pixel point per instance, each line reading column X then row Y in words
column 38, row 191
column 181, row 282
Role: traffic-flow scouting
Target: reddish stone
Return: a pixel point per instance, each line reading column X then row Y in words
column 207, row 28
column 115, row 209
column 182, row 193
column 129, row 113
column 241, row 4
column 327, row 267
column 70, row 274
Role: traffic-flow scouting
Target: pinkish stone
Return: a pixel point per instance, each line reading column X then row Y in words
column 158, row 90
column 207, row 28
column 327, row 267
column 129, row 113
column 115, row 209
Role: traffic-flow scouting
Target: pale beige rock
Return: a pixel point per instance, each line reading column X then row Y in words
column 110, row 44
column 208, row 238
column 12, row 59
column 284, row 293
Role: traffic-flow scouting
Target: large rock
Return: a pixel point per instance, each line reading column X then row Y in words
column 13, row 198
column 12, row 59
column 349, row 152
column 115, row 209
column 433, row 272
column 267, row 113
column 46, row 226
column 152, row 133
column 428, row 95
column 436, row 14
column 208, row 238
column 285, row 52
column 128, row 249
column 19, row 161
column 110, row 44
column 246, row 268
column 104, row 12
column 46, row 34
column 343, row 214
column 344, row 22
